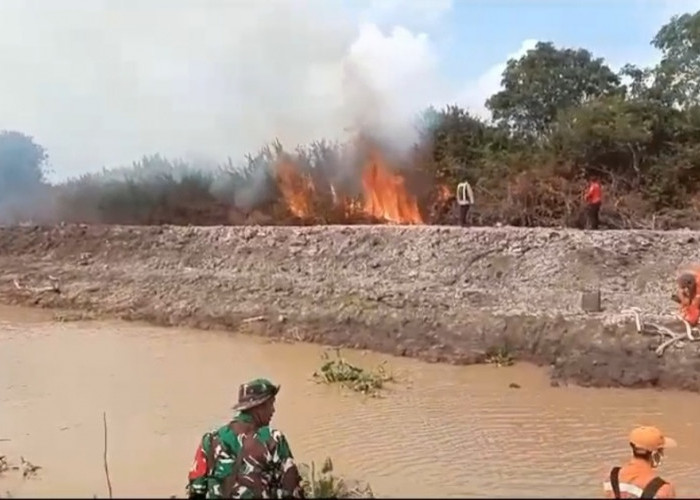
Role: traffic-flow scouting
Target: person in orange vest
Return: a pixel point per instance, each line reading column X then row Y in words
column 637, row 478
column 687, row 295
column 593, row 198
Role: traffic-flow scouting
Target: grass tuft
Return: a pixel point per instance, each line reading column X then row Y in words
column 340, row 371
column 324, row 484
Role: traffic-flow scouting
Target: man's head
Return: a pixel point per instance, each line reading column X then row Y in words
column 257, row 398
column 687, row 285
column 649, row 443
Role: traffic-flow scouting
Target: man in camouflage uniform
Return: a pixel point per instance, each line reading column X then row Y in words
column 246, row 458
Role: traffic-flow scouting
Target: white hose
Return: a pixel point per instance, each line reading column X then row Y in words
column 662, row 331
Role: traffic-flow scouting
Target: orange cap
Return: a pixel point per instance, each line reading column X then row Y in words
column 650, row 439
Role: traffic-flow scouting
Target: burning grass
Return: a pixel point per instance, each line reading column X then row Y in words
column 321, row 184
column 340, row 371
column 310, row 193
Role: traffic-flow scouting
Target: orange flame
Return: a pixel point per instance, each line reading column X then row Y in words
column 386, row 196
column 349, row 207
column 384, row 193
column 297, row 188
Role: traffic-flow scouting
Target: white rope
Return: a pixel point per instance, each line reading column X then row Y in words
column 689, row 332
column 662, row 331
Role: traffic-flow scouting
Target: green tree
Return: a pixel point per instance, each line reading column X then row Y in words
column 611, row 134
column 459, row 140
column 639, row 79
column 545, row 81
column 678, row 72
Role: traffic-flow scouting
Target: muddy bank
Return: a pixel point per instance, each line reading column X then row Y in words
column 436, row 293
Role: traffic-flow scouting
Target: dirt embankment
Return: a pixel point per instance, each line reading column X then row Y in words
column 436, row 293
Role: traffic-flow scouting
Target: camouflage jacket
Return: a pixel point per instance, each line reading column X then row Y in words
column 240, row 461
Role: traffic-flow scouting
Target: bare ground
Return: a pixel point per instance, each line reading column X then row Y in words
column 442, row 294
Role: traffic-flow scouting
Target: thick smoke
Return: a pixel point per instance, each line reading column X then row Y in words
column 105, row 85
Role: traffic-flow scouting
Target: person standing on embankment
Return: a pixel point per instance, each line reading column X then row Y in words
column 593, row 198
column 465, row 200
column 246, row 458
column 637, row 478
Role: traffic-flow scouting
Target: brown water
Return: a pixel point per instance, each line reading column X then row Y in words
column 451, row 431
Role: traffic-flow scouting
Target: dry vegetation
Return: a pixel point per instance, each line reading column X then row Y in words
column 500, row 357
column 27, row 469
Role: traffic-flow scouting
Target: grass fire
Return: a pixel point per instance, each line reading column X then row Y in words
column 383, row 197
column 358, row 182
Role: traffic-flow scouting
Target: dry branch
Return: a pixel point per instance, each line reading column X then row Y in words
column 104, row 454
column 54, row 287
column 28, row 468
column 254, row 319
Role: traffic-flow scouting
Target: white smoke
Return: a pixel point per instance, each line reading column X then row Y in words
column 107, row 81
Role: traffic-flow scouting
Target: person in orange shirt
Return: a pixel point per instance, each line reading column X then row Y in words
column 594, row 198
column 637, row 479
column 687, row 295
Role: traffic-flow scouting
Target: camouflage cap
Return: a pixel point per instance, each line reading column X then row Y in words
column 255, row 393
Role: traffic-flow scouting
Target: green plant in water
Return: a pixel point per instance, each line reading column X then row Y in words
column 339, row 370
column 325, row 484
column 500, row 357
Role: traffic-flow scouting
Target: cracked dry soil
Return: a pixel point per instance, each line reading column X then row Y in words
column 441, row 294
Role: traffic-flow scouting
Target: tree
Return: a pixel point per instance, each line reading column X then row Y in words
column 22, row 165
column 544, row 82
column 639, row 82
column 678, row 73
column 609, row 133
column 460, row 141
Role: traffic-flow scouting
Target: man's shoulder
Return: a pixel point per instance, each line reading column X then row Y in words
column 666, row 491
column 226, row 434
column 268, row 433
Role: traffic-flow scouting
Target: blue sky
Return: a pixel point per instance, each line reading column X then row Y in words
column 488, row 30
column 474, row 35
column 105, row 84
